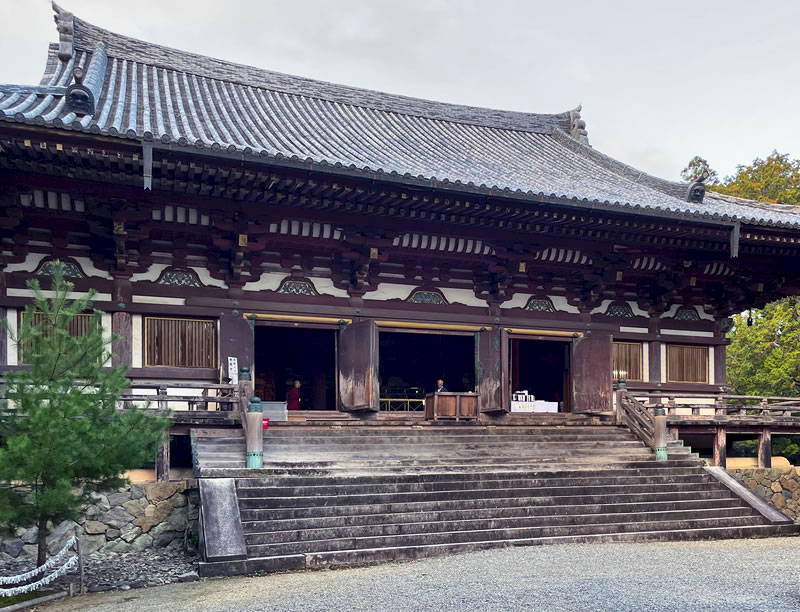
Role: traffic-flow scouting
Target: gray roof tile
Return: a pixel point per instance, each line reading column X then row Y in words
column 145, row 91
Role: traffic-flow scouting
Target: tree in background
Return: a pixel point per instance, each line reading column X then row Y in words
column 695, row 169
column 763, row 358
column 61, row 436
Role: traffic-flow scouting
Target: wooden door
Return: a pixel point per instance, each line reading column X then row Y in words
column 491, row 370
column 591, row 373
column 359, row 388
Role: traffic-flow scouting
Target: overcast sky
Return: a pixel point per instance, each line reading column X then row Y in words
column 659, row 82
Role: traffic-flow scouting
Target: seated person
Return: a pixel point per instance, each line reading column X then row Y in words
column 440, row 388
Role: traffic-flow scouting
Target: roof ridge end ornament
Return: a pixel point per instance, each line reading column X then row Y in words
column 697, row 188
column 577, row 126
column 83, row 95
column 65, row 24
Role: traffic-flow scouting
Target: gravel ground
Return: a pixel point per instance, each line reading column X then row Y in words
column 106, row 571
column 722, row 575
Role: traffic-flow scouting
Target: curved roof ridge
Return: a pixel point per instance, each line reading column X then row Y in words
column 673, row 188
column 87, row 36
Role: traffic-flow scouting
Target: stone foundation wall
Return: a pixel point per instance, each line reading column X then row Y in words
column 781, row 486
column 157, row 515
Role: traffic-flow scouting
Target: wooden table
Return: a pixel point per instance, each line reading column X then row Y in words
column 447, row 405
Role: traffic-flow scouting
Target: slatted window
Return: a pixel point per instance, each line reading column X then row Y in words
column 180, row 343
column 627, row 361
column 687, row 363
column 78, row 326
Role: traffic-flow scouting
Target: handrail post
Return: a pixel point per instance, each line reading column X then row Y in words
column 622, row 389
column 765, row 448
column 254, row 435
column 245, row 391
column 660, row 432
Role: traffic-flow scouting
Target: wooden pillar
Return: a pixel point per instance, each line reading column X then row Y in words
column 591, row 373
column 515, row 365
column 122, row 328
column 491, row 370
column 720, row 374
column 162, row 461
column 720, row 447
column 3, row 338
column 765, row 448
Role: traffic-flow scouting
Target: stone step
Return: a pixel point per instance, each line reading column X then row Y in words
column 290, row 480
column 286, row 519
column 274, row 469
column 404, row 437
column 496, row 507
column 485, row 535
column 338, row 487
column 266, row 533
column 548, row 496
column 466, row 429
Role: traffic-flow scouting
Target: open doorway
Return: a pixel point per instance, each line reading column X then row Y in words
column 542, row 369
column 411, row 363
column 286, row 354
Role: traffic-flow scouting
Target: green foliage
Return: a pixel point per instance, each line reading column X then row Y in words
column 695, row 168
column 61, row 436
column 764, row 359
column 775, row 179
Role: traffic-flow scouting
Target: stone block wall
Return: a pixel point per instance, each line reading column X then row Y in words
column 781, row 486
column 141, row 516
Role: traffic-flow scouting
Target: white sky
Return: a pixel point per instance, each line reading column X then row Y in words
column 659, row 82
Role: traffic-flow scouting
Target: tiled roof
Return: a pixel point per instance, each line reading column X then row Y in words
column 148, row 92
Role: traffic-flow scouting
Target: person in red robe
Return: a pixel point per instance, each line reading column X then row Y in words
column 293, row 399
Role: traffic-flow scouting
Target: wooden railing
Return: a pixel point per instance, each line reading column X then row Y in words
column 181, row 396
column 728, row 406
column 636, row 416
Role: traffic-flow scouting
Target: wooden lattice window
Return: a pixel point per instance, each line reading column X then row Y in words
column 180, row 343
column 78, row 326
column 627, row 360
column 687, row 363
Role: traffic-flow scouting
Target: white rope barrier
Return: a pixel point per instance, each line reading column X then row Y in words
column 33, row 586
column 49, row 564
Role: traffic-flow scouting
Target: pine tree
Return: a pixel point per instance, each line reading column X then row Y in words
column 62, row 438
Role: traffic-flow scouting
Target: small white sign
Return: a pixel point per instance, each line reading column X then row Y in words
column 233, row 370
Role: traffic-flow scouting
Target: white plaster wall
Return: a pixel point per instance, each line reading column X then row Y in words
column 152, row 274
column 99, row 297
column 11, row 345
column 517, row 301
column 663, row 363
column 325, row 286
column 158, row 299
column 712, row 379
column 89, row 269
column 137, row 341
column 634, row 308
column 561, row 304
column 645, row 362
column 390, row 291
column 462, row 296
column 32, row 261
column 269, row 281
column 633, row 330
column 686, row 332
column 206, row 278
column 107, row 333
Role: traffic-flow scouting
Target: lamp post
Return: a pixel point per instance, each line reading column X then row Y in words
column 255, row 435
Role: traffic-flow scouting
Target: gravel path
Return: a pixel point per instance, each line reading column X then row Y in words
column 723, row 575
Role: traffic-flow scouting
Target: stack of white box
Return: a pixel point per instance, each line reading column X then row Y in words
column 522, row 401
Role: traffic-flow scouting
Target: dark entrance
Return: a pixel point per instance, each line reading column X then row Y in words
column 542, row 368
column 410, row 364
column 286, row 354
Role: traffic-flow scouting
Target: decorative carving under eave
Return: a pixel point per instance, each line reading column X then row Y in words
column 620, row 309
column 424, row 296
column 71, row 269
column 686, row 313
column 726, row 325
column 179, row 277
column 540, row 304
column 297, row 286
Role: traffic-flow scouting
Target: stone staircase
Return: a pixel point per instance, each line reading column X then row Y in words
column 344, row 496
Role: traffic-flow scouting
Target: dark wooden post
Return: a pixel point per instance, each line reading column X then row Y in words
column 491, row 370
column 162, row 461
column 720, row 447
column 236, row 339
column 765, row 448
